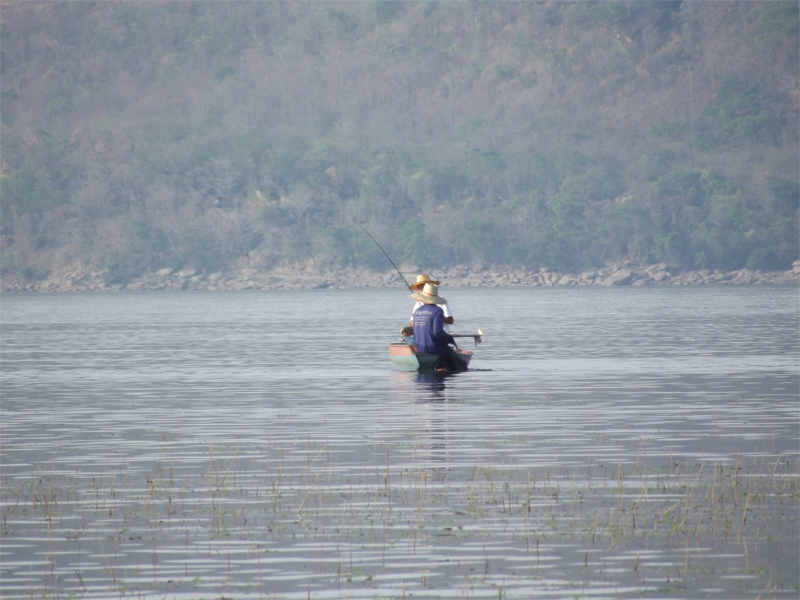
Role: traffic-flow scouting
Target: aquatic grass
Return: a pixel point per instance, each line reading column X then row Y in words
column 373, row 519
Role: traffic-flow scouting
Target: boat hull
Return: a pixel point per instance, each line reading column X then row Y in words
column 406, row 359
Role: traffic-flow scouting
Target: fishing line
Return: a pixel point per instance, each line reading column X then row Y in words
column 384, row 253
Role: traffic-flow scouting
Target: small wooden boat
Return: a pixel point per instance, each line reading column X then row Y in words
column 407, row 358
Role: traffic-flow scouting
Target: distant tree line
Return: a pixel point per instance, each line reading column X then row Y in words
column 140, row 135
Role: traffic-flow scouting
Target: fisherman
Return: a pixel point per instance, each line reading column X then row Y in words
column 431, row 338
column 416, row 287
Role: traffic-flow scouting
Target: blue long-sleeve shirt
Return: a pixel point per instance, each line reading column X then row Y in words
column 429, row 330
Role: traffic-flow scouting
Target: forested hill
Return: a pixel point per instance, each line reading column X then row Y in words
column 143, row 135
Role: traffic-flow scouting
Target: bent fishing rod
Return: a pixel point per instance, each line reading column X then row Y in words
column 384, row 252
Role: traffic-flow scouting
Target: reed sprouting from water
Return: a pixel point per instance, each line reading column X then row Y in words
column 500, row 523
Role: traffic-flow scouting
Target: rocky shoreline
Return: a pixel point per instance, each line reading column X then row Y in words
column 308, row 277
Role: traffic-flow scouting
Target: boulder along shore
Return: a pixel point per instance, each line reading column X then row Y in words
column 309, row 277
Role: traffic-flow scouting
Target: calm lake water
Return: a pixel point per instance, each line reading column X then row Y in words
column 608, row 443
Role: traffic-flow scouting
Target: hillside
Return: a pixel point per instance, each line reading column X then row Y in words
column 212, row 136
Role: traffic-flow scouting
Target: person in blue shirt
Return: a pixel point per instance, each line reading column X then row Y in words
column 431, row 338
column 416, row 287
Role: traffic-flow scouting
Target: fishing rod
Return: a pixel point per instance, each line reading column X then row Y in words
column 384, row 253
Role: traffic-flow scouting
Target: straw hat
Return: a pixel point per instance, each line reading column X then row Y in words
column 422, row 280
column 429, row 295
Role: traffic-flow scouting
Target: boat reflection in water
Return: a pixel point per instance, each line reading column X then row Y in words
column 426, row 396
column 430, row 399
column 430, row 387
column 420, row 387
